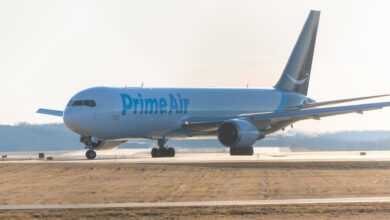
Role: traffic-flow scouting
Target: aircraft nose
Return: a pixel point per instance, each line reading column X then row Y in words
column 75, row 121
column 70, row 120
column 78, row 121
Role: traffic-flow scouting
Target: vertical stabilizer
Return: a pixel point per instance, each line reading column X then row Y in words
column 296, row 74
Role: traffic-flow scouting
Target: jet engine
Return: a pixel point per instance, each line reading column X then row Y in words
column 238, row 133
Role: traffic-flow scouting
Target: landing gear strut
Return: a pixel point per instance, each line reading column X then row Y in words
column 162, row 151
column 90, row 145
column 241, row 151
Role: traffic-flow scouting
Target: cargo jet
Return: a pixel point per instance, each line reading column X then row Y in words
column 106, row 117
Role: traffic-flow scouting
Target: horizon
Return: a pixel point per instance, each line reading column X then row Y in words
column 57, row 137
column 287, row 130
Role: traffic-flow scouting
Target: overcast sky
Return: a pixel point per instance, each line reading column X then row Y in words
column 49, row 50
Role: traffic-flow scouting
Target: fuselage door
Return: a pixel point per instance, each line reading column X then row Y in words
column 115, row 109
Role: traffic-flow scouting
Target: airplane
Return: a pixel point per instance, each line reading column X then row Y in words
column 105, row 117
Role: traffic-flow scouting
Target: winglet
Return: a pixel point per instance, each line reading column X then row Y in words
column 50, row 112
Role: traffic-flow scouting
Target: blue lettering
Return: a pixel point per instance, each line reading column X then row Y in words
column 136, row 103
column 151, row 105
column 173, row 104
column 141, row 105
column 126, row 103
column 180, row 104
column 186, row 103
column 163, row 106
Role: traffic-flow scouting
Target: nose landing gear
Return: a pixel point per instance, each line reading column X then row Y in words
column 162, row 151
column 90, row 154
column 90, row 145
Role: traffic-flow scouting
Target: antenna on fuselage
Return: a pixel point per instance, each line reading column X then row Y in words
column 142, row 85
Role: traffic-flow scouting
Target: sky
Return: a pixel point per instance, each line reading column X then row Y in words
column 50, row 50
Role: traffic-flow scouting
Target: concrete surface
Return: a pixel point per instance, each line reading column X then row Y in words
column 203, row 203
column 186, row 156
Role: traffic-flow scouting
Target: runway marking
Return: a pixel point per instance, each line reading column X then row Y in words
column 202, row 203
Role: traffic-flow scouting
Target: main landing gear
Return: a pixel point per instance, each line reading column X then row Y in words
column 241, row 151
column 162, row 151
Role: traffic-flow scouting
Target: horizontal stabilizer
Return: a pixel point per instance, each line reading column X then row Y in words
column 50, row 112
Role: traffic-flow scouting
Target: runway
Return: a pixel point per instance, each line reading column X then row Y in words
column 261, row 154
column 325, row 201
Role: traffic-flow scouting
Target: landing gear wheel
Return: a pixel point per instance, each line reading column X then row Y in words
column 162, row 151
column 241, row 151
column 90, row 154
column 155, row 152
column 170, row 152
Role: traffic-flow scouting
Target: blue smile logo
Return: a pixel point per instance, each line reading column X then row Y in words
column 171, row 105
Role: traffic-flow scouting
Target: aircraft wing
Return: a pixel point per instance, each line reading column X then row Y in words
column 315, row 113
column 333, row 102
column 50, row 112
column 288, row 115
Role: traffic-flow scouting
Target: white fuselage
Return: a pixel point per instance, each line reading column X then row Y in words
column 125, row 113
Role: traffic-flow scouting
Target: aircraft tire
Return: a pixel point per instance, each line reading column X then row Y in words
column 90, row 154
column 163, row 152
column 250, row 151
column 170, row 152
column 241, row 151
column 155, row 152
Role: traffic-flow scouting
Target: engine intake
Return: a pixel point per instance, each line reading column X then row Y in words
column 238, row 133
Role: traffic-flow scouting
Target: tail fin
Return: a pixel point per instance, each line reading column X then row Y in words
column 296, row 74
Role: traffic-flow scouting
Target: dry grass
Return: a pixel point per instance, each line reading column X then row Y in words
column 115, row 183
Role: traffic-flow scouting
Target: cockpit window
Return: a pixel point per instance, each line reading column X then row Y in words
column 78, row 103
column 89, row 103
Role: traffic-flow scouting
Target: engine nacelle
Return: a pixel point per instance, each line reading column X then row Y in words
column 238, row 133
